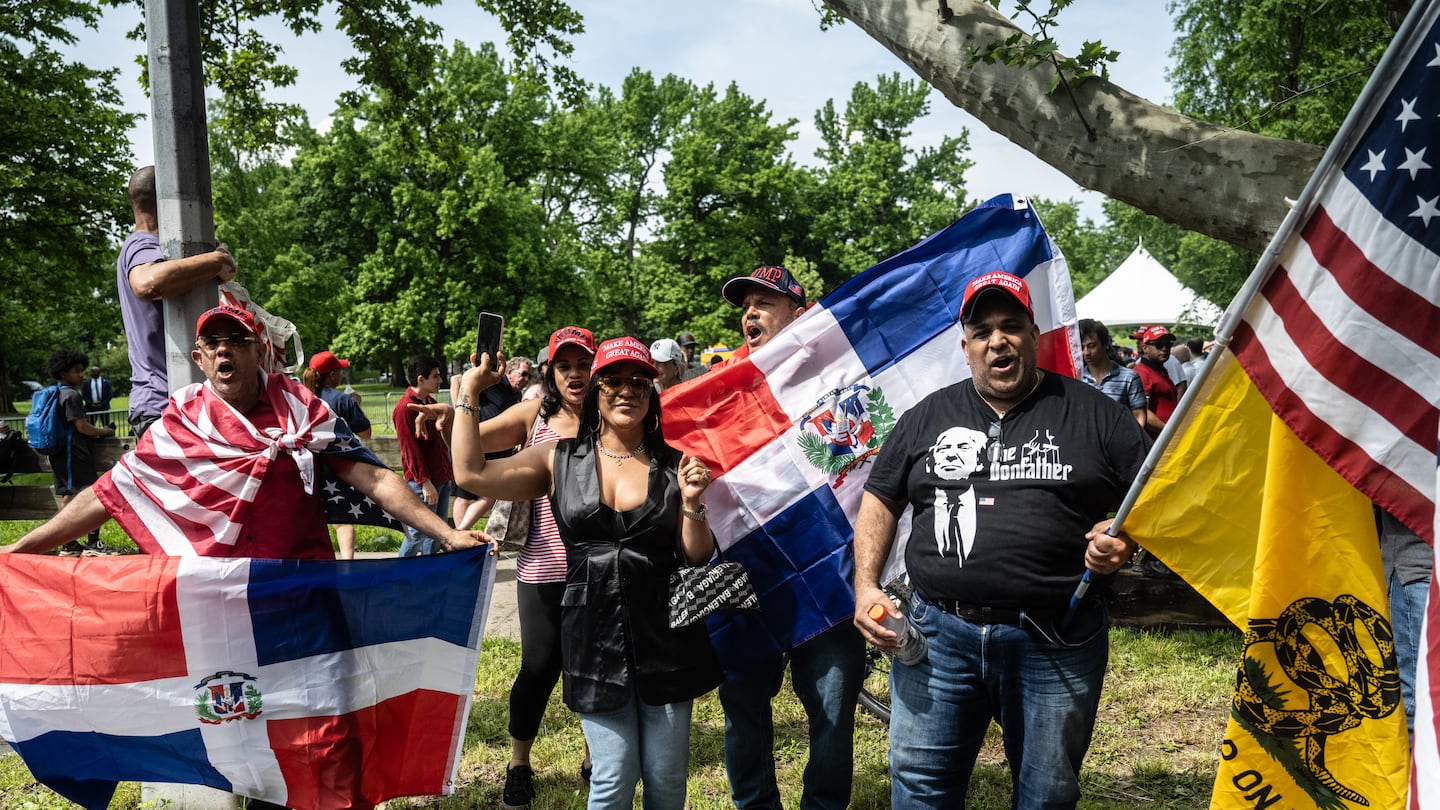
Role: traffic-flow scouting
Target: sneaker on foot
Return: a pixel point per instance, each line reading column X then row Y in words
column 71, row 549
column 519, row 786
column 97, row 548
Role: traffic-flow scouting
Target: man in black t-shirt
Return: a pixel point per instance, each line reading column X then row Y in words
column 1011, row 474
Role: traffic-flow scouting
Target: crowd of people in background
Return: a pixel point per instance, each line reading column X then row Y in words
column 572, row 443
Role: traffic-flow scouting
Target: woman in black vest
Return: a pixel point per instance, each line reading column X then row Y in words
column 628, row 508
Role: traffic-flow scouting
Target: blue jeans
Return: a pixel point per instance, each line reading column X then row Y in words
column 639, row 742
column 1407, row 611
column 417, row 542
column 826, row 673
column 1043, row 695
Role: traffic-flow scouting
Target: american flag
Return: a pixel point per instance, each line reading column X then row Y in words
column 1344, row 339
column 188, row 485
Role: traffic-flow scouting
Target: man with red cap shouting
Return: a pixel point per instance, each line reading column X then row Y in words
column 1031, row 463
column 245, row 448
column 825, row 671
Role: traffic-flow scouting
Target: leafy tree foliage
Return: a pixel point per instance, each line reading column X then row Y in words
column 638, row 127
column 63, row 157
column 876, row 195
column 1287, row 68
column 733, row 199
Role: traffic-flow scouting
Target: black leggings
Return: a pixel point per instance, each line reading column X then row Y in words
column 539, row 607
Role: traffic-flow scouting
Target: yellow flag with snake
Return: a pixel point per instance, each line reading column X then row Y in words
column 1287, row 549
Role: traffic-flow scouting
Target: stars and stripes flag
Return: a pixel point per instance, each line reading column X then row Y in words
column 307, row 683
column 790, row 430
column 193, row 477
column 1321, row 399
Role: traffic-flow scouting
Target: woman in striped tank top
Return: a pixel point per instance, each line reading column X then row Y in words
column 540, row 571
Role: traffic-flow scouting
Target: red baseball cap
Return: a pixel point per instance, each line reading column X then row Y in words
column 1155, row 334
column 623, row 350
column 1011, row 285
column 571, row 336
column 245, row 320
column 325, row 362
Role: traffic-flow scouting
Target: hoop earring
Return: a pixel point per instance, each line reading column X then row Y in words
column 655, row 416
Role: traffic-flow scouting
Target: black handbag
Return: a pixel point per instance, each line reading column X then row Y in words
column 697, row 591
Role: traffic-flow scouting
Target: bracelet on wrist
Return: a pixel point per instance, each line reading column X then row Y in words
column 698, row 517
column 470, row 409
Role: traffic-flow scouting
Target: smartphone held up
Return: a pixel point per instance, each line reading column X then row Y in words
column 487, row 338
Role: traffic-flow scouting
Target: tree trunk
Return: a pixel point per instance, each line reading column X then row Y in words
column 1222, row 182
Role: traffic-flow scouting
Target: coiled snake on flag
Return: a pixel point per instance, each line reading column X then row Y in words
column 1370, row 689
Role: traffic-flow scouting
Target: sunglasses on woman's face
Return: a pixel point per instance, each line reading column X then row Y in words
column 610, row 385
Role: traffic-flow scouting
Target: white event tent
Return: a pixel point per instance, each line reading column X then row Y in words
column 1141, row 292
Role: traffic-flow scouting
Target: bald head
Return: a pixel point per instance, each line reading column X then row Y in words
column 141, row 190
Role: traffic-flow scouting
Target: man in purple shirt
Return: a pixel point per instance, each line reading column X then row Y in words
column 145, row 278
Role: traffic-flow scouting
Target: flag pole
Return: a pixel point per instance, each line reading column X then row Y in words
column 1377, row 88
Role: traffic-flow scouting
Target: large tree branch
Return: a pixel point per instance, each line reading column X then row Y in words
column 1226, row 183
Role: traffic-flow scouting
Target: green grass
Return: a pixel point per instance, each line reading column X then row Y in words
column 1156, row 742
column 373, row 402
column 367, row 538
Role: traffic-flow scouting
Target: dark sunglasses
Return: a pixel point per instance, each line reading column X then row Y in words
column 640, row 387
column 234, row 339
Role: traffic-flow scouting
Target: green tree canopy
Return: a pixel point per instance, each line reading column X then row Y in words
column 64, row 160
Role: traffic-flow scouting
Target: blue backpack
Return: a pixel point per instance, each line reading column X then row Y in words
column 47, row 431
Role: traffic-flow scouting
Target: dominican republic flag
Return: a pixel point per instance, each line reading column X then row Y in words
column 312, row 684
column 791, row 429
column 190, row 482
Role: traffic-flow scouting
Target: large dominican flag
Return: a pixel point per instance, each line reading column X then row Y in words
column 791, row 429
column 312, row 684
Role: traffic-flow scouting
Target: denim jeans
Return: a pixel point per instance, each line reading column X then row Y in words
column 417, row 542
column 826, row 673
column 639, row 742
column 1407, row 612
column 1043, row 695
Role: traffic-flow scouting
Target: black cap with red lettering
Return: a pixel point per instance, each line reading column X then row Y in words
column 771, row 277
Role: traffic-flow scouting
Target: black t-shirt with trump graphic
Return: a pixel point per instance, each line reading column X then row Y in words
column 1002, row 505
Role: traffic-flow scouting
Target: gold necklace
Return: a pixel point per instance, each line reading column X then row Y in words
column 1000, row 412
column 620, row 457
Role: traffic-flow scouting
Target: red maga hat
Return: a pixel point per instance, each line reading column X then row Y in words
column 1011, row 285
column 623, row 350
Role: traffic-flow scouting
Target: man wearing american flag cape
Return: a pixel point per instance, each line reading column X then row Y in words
column 233, row 468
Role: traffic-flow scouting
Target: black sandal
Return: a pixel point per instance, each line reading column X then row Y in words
column 585, row 771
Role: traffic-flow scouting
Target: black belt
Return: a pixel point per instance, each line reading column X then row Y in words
column 980, row 614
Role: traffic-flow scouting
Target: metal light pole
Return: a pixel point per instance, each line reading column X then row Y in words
column 182, row 167
column 187, row 227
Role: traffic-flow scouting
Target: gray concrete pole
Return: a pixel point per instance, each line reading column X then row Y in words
column 182, row 167
column 187, row 227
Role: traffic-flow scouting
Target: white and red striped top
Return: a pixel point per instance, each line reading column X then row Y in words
column 543, row 557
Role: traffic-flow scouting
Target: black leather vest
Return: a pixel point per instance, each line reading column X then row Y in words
column 615, row 611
